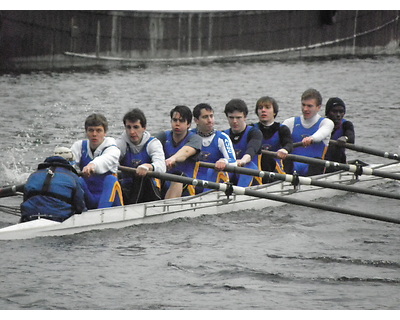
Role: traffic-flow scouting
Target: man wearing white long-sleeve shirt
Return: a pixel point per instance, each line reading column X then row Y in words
column 312, row 130
column 97, row 158
column 141, row 151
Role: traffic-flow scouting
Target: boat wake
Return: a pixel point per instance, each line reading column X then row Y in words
column 12, row 168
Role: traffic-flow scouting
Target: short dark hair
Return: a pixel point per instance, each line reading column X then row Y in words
column 135, row 115
column 267, row 99
column 184, row 112
column 312, row 94
column 236, row 105
column 95, row 120
column 197, row 109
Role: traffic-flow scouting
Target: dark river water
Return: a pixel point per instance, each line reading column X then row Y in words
column 282, row 258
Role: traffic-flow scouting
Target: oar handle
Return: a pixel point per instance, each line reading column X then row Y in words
column 181, row 179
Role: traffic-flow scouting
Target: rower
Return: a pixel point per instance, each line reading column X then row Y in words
column 312, row 131
column 97, row 158
column 181, row 148
column 216, row 146
column 145, row 153
column 53, row 192
column 343, row 132
column 276, row 137
column 246, row 142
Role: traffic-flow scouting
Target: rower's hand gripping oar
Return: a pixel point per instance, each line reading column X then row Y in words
column 260, row 194
column 11, row 190
column 357, row 170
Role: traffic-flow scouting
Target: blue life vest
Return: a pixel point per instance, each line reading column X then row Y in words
column 339, row 132
column 187, row 167
column 271, row 144
column 134, row 160
column 334, row 152
column 243, row 180
column 212, row 154
column 95, row 182
column 315, row 150
column 52, row 192
column 146, row 188
column 241, row 145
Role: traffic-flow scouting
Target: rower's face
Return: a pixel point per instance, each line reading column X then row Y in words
column 336, row 114
column 178, row 125
column 205, row 122
column 309, row 108
column 96, row 136
column 265, row 112
column 237, row 121
column 134, row 131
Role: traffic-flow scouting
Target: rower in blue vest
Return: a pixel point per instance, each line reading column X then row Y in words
column 181, row 148
column 312, row 130
column 216, row 147
column 53, row 192
column 246, row 141
column 343, row 132
column 97, row 158
column 276, row 137
column 143, row 152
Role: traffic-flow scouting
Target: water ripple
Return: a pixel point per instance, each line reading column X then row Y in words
column 372, row 280
column 344, row 260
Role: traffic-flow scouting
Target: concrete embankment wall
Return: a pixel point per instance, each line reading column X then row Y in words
column 40, row 39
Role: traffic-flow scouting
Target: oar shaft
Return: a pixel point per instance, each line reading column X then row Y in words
column 304, row 181
column 11, row 190
column 347, row 167
column 303, row 159
column 260, row 194
column 368, row 150
column 358, row 148
column 320, row 206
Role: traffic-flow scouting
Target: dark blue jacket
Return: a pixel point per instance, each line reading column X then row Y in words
column 52, row 192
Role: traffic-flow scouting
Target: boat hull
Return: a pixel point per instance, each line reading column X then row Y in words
column 209, row 203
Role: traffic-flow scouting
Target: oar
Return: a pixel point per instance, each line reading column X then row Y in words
column 368, row 150
column 304, row 180
column 297, row 144
column 358, row 170
column 11, row 190
column 358, row 148
column 227, row 188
